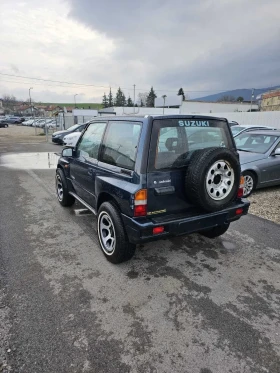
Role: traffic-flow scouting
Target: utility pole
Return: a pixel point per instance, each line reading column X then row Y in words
column 32, row 110
column 75, row 99
column 133, row 98
column 252, row 95
column 164, row 97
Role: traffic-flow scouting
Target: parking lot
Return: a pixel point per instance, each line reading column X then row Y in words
column 187, row 304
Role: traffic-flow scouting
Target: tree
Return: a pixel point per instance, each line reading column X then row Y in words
column 240, row 99
column 9, row 101
column 151, row 98
column 181, row 93
column 110, row 99
column 226, row 98
column 129, row 102
column 142, row 98
column 105, row 101
column 120, row 98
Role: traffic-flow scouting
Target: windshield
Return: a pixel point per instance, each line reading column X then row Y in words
column 72, row 128
column 255, row 143
column 236, row 129
column 174, row 140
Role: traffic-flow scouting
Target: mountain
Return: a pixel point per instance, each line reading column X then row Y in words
column 245, row 93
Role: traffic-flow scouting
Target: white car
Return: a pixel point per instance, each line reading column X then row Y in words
column 71, row 139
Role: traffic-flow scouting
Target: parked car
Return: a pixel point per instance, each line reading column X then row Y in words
column 57, row 137
column 71, row 139
column 233, row 123
column 236, row 130
column 3, row 124
column 13, row 120
column 28, row 122
column 259, row 153
column 145, row 180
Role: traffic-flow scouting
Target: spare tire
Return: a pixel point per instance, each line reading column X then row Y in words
column 212, row 178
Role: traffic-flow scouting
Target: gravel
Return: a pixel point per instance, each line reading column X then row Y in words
column 265, row 203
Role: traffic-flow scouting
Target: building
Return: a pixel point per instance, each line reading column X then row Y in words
column 271, row 101
column 198, row 107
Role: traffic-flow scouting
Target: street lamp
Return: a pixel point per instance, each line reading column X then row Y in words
column 75, row 99
column 30, row 101
column 253, row 90
column 164, row 97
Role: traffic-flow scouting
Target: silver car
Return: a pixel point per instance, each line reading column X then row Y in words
column 259, row 153
column 236, row 130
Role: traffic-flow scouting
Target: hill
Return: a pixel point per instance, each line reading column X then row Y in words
column 95, row 106
column 244, row 92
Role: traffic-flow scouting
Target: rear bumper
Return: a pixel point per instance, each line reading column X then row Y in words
column 141, row 230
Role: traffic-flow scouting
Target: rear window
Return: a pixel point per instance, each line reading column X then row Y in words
column 174, row 140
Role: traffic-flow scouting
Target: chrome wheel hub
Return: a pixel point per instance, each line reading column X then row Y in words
column 248, row 185
column 106, row 231
column 59, row 188
column 219, row 180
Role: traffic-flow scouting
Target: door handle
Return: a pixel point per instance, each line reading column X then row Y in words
column 90, row 171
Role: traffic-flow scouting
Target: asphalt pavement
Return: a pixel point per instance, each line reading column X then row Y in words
column 187, row 304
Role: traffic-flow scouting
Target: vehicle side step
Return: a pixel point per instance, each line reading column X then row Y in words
column 83, row 202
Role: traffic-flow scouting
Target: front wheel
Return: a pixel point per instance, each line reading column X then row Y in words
column 62, row 192
column 216, row 231
column 6, row 126
column 250, row 182
column 112, row 236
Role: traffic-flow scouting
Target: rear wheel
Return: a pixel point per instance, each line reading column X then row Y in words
column 62, row 191
column 112, row 236
column 216, row 231
column 250, row 182
column 6, row 126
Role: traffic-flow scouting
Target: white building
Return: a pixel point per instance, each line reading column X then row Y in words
column 199, row 107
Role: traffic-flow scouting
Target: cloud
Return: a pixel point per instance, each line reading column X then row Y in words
column 201, row 45
column 195, row 44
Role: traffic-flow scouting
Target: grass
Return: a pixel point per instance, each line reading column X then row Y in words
column 78, row 105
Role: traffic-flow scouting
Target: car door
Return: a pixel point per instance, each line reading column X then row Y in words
column 83, row 167
column 271, row 167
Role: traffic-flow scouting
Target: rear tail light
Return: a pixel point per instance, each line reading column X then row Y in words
column 140, row 203
column 239, row 211
column 158, row 230
column 241, row 187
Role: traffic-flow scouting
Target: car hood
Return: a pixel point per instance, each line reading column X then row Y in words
column 73, row 135
column 246, row 157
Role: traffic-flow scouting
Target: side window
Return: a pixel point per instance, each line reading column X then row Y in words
column 120, row 144
column 90, row 143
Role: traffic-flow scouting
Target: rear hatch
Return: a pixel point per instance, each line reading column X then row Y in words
column 172, row 143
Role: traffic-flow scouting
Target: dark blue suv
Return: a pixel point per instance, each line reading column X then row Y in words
column 148, row 178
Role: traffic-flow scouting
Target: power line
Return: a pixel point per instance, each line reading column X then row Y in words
column 102, row 86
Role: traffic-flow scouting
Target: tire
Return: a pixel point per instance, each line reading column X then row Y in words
column 216, row 231
column 250, row 182
column 112, row 236
column 62, row 191
column 6, row 126
column 212, row 178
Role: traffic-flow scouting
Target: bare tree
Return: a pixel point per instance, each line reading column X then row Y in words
column 9, row 101
column 142, row 98
column 226, row 98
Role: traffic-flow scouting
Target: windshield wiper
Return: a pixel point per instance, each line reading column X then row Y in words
column 243, row 150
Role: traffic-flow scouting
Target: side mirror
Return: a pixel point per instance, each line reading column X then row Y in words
column 277, row 151
column 68, row 152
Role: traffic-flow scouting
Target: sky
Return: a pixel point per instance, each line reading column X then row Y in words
column 204, row 46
